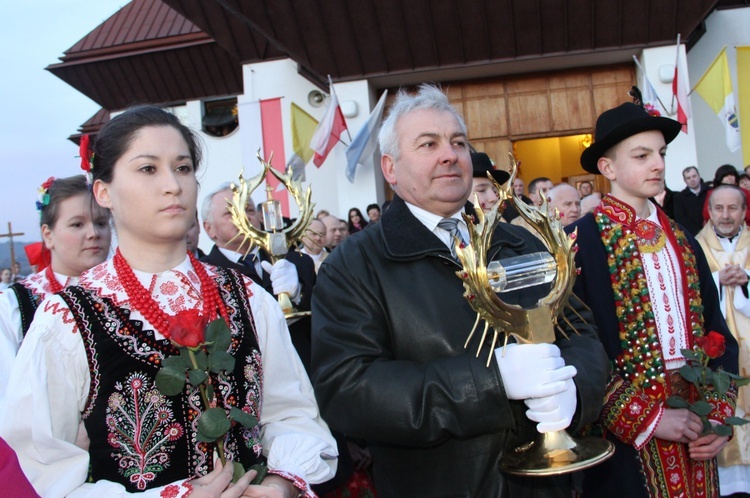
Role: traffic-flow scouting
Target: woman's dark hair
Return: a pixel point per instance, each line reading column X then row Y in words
column 115, row 137
column 61, row 189
column 723, row 171
column 362, row 221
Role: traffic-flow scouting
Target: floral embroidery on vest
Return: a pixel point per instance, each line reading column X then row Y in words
column 139, row 421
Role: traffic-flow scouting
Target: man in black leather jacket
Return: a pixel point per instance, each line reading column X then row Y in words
column 390, row 322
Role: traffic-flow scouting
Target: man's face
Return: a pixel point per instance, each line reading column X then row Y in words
column 315, row 237
column 433, row 170
column 726, row 211
column 518, row 187
column 586, row 189
column 219, row 226
column 373, row 214
column 333, row 231
column 692, row 178
column 567, row 201
column 541, row 192
column 637, row 168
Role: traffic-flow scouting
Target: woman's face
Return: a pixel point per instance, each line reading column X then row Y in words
column 153, row 191
column 729, row 180
column 745, row 183
column 354, row 217
column 80, row 238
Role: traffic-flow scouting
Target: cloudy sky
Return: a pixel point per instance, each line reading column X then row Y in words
column 39, row 111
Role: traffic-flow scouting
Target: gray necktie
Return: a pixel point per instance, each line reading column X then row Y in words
column 450, row 225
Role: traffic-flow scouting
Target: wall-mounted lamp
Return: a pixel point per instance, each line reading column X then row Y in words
column 349, row 108
column 316, row 98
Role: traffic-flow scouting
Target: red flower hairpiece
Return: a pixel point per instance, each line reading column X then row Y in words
column 87, row 157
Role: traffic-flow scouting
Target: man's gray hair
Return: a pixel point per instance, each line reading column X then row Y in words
column 428, row 97
column 727, row 186
column 206, row 206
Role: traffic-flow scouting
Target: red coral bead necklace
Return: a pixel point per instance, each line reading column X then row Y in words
column 142, row 301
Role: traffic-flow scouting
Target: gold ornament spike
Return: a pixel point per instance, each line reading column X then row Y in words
column 276, row 243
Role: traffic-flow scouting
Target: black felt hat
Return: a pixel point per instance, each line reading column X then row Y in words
column 482, row 164
column 615, row 125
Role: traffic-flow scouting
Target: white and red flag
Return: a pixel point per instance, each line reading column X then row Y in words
column 329, row 130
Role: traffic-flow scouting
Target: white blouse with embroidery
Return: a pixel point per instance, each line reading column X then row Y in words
column 49, row 387
column 11, row 327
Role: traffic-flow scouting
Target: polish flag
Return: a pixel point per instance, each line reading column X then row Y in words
column 330, row 128
column 680, row 89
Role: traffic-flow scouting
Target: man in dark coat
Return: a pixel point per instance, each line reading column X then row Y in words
column 295, row 274
column 652, row 295
column 688, row 203
column 390, row 323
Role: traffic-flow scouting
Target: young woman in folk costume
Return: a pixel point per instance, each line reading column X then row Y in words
column 76, row 237
column 93, row 351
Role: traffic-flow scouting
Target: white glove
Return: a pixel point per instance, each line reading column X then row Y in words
column 554, row 413
column 532, row 370
column 284, row 278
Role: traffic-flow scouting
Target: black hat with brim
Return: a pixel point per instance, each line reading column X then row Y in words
column 615, row 125
column 481, row 164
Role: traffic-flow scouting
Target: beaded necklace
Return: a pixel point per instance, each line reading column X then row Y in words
column 54, row 285
column 142, row 301
column 641, row 361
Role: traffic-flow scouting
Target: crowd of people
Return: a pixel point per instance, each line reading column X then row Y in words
column 370, row 388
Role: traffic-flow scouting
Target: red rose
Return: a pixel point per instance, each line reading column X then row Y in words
column 712, row 344
column 188, row 328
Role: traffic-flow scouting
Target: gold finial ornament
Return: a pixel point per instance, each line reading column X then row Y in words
column 275, row 240
column 550, row 453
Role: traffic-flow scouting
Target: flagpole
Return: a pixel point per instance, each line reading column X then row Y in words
column 330, row 83
column 672, row 110
column 645, row 77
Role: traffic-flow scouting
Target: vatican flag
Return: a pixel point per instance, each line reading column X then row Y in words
column 716, row 89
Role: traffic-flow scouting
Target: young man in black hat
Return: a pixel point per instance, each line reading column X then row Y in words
column 481, row 185
column 651, row 292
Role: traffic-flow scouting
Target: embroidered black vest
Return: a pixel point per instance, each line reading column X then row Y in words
column 140, row 437
column 27, row 305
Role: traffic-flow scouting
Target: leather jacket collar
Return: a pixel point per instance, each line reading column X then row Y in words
column 406, row 238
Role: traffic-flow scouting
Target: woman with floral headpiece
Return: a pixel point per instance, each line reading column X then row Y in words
column 76, row 235
column 93, row 365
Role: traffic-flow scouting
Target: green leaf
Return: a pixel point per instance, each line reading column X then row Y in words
column 218, row 335
column 170, row 381
column 720, row 382
column 677, row 402
column 708, row 427
column 689, row 354
column 736, row 421
column 220, row 360
column 239, row 471
column 209, row 390
column 200, row 437
column 701, row 408
column 262, row 471
column 176, row 362
column 197, row 376
column 689, row 373
column 213, row 423
column 243, row 418
column 722, row 430
column 742, row 381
